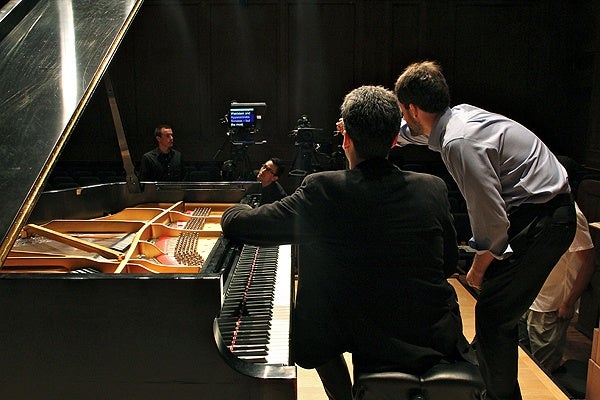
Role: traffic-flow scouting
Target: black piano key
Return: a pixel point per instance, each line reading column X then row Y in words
column 253, row 341
column 255, row 360
column 246, row 309
column 231, row 331
column 244, row 331
column 250, row 352
column 251, row 337
column 252, row 304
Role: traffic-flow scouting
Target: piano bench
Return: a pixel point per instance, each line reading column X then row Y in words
column 456, row 381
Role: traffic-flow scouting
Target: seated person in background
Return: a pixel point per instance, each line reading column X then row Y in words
column 376, row 245
column 163, row 163
column 268, row 175
column 549, row 316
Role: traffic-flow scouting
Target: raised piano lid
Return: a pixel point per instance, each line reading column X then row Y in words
column 50, row 64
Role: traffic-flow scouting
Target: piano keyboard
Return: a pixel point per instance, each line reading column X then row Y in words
column 86, row 271
column 256, row 313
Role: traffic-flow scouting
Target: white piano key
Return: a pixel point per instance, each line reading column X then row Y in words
column 279, row 343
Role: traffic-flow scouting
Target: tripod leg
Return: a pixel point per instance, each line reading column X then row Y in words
column 299, row 158
column 220, row 149
column 248, row 167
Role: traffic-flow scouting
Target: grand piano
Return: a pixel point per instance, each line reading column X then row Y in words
column 125, row 289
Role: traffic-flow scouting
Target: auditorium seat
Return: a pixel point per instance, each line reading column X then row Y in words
column 88, row 180
column 65, row 185
column 457, row 381
column 187, row 169
column 57, row 171
column 198, row 176
column 462, row 224
column 78, row 173
column 105, row 174
column 457, row 201
column 114, row 178
column 62, row 179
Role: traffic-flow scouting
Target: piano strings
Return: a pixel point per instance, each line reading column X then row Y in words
column 150, row 238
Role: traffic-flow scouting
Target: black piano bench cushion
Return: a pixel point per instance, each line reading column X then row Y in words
column 450, row 381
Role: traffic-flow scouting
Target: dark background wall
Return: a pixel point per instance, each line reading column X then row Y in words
column 182, row 62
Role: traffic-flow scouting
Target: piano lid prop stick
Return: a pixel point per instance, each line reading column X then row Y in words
column 73, row 241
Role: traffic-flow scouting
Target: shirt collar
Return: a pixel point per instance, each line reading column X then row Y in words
column 437, row 132
column 375, row 166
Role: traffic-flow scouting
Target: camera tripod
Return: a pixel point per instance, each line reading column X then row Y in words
column 241, row 168
column 238, row 167
column 303, row 160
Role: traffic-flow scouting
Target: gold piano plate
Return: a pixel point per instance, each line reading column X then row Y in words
column 150, row 238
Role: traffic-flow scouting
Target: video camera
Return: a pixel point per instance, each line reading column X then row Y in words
column 305, row 133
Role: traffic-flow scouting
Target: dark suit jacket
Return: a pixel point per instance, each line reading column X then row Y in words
column 376, row 247
column 272, row 192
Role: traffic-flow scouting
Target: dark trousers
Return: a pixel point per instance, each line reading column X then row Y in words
column 336, row 379
column 538, row 236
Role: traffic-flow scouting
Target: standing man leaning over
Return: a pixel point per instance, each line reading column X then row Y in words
column 376, row 245
column 519, row 203
column 163, row 163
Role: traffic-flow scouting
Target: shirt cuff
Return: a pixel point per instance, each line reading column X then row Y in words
column 507, row 252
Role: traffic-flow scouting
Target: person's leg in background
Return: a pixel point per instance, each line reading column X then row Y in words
column 547, row 335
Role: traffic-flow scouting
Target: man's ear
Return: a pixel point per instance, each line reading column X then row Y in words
column 394, row 141
column 413, row 110
column 346, row 142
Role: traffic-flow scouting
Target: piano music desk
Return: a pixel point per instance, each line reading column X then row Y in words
column 535, row 384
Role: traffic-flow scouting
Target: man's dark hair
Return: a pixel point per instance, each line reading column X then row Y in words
column 279, row 164
column 423, row 85
column 159, row 128
column 371, row 119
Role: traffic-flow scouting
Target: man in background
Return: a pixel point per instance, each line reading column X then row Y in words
column 162, row 164
column 268, row 175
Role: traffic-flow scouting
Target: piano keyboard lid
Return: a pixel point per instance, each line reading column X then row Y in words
column 51, row 61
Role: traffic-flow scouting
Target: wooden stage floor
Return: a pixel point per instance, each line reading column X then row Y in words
column 535, row 384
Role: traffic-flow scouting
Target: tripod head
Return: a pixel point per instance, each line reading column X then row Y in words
column 316, row 150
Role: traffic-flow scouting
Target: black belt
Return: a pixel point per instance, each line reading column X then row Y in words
column 562, row 199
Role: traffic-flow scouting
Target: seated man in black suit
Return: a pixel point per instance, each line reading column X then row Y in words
column 376, row 245
column 268, row 175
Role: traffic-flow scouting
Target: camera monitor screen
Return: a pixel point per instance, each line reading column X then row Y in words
column 246, row 116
